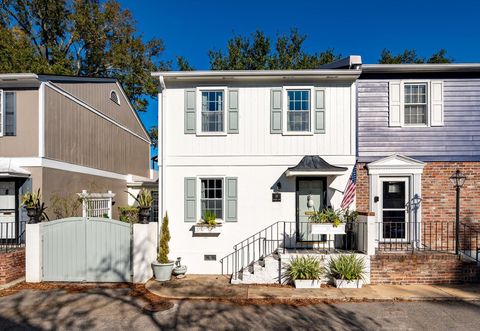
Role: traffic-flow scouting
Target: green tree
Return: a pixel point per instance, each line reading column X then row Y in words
column 153, row 133
column 183, row 64
column 411, row 56
column 79, row 37
column 256, row 53
column 163, row 249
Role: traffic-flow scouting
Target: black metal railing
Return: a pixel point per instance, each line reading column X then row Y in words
column 12, row 236
column 282, row 236
column 469, row 243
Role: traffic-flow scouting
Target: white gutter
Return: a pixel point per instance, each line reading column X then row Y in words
column 319, row 73
column 162, row 135
column 9, row 77
column 427, row 67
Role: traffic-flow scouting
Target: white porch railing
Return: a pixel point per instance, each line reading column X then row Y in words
column 96, row 204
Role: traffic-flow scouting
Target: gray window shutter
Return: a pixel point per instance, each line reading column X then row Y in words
column 190, row 111
column 232, row 111
column 276, row 111
column 190, row 199
column 10, row 114
column 320, row 111
column 231, row 197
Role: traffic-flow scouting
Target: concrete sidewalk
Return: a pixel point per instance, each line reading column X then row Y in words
column 218, row 287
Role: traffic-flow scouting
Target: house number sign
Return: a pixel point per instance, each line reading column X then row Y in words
column 276, row 197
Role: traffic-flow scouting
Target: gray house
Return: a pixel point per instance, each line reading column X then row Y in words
column 416, row 125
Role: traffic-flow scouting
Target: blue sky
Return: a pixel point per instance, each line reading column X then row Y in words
column 191, row 28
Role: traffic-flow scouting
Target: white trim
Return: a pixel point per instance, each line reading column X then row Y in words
column 395, row 164
column 59, row 165
column 93, row 110
column 133, row 110
column 2, row 113
column 41, row 120
column 285, row 90
column 199, row 195
column 198, row 113
column 307, row 173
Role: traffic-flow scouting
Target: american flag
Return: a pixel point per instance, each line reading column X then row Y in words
column 349, row 194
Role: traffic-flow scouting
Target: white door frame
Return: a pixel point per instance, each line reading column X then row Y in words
column 406, row 180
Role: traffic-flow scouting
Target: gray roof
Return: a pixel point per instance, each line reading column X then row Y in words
column 315, row 163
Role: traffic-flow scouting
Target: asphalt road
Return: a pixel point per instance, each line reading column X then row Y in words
column 115, row 309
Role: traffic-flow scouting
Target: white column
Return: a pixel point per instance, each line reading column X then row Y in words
column 144, row 250
column 33, row 254
column 372, row 234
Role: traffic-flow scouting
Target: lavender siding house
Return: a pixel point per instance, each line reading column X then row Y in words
column 416, row 125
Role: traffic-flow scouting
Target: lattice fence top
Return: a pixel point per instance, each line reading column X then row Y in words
column 96, row 204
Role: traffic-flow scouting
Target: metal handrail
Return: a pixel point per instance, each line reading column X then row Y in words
column 473, row 236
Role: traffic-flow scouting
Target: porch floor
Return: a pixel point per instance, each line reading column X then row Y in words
column 218, row 287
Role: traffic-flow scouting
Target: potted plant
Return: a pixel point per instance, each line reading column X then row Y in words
column 144, row 200
column 350, row 217
column 305, row 271
column 348, row 270
column 32, row 201
column 208, row 224
column 327, row 221
column 162, row 267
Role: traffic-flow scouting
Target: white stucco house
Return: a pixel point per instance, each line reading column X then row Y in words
column 251, row 147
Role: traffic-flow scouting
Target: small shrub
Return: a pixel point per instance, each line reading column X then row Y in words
column 209, row 218
column 347, row 267
column 64, row 206
column 34, row 200
column 163, row 249
column 144, row 198
column 304, row 267
column 327, row 216
column 128, row 214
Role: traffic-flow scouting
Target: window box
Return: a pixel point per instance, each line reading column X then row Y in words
column 327, row 228
column 207, row 229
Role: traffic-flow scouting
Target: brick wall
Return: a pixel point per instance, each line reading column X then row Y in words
column 12, row 266
column 438, row 192
column 420, row 268
column 362, row 193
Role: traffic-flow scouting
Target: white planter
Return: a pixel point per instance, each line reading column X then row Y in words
column 205, row 229
column 307, row 283
column 327, row 228
column 340, row 283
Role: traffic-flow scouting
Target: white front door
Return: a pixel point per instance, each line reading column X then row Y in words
column 393, row 211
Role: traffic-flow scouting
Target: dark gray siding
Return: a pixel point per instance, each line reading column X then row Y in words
column 457, row 140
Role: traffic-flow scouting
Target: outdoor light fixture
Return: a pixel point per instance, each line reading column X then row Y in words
column 457, row 179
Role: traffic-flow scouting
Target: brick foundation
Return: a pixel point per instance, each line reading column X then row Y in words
column 422, row 268
column 12, row 265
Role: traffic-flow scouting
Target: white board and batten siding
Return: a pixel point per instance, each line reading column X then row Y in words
column 249, row 157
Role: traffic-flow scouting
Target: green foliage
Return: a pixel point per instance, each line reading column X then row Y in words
column 84, row 38
column 34, row 200
column 163, row 249
column 256, row 53
column 210, row 218
column 183, row 64
column 350, row 216
column 327, row 216
column 144, row 198
column 304, row 267
column 153, row 133
column 31, row 199
column 411, row 56
column 64, row 206
column 347, row 267
column 128, row 214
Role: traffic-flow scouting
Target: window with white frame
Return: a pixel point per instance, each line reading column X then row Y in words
column 213, row 111
column 212, row 196
column 298, row 110
column 415, row 104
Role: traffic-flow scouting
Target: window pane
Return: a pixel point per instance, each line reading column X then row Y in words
column 415, row 110
column 212, row 111
column 394, row 195
column 298, row 117
column 212, row 199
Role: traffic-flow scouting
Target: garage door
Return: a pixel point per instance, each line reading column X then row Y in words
column 86, row 250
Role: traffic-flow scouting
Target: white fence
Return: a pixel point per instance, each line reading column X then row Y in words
column 96, row 204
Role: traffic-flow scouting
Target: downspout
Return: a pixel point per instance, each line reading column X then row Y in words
column 161, row 126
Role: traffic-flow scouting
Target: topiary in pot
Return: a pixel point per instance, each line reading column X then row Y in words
column 162, row 268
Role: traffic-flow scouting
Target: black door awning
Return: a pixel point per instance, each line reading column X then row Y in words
column 314, row 165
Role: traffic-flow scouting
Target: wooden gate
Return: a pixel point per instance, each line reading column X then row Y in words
column 86, row 250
